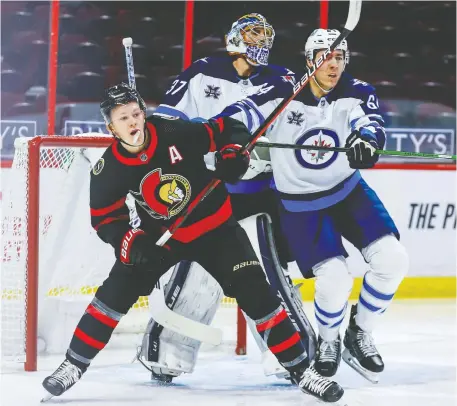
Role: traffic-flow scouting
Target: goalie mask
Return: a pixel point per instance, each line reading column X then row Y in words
column 251, row 36
column 119, row 95
column 322, row 39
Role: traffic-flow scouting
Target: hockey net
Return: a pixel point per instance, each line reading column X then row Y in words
column 53, row 260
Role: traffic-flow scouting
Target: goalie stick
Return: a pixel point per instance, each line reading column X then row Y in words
column 162, row 314
column 355, row 7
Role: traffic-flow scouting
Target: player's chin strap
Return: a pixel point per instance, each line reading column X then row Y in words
column 320, row 87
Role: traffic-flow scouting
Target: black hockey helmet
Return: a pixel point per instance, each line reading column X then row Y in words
column 119, row 95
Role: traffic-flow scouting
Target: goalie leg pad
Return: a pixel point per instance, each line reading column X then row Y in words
column 282, row 284
column 193, row 293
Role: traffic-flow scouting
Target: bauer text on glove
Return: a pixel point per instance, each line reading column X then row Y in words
column 138, row 249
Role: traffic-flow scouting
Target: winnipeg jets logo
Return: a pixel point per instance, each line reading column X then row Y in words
column 317, row 156
column 295, row 117
column 315, row 159
column 213, row 91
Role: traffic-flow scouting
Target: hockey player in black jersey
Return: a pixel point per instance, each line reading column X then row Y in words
column 159, row 164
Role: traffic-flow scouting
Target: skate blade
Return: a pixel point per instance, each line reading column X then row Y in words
column 353, row 362
column 318, row 401
column 46, row 397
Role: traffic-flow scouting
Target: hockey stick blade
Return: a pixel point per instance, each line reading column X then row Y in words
column 355, row 7
column 163, row 315
column 344, row 150
column 128, row 42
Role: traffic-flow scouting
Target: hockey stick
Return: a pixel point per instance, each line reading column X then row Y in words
column 355, row 7
column 340, row 149
column 128, row 42
column 168, row 318
column 162, row 314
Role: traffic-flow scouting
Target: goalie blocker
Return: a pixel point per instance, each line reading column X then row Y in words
column 193, row 293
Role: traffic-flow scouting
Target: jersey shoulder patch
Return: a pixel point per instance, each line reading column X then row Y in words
column 166, row 116
column 360, row 87
column 98, row 167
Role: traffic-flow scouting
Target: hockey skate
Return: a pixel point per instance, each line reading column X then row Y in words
column 314, row 384
column 360, row 352
column 62, row 379
column 328, row 357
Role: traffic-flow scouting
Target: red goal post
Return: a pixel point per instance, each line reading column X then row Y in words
column 47, row 185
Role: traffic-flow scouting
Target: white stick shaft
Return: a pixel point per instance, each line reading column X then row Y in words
column 129, row 62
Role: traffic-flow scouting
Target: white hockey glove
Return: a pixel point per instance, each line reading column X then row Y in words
column 260, row 161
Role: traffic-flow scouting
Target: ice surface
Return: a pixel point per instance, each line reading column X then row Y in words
column 417, row 340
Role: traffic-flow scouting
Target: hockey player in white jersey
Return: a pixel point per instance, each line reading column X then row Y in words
column 201, row 91
column 324, row 198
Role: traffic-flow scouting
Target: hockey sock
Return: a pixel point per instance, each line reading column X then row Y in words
column 92, row 333
column 283, row 340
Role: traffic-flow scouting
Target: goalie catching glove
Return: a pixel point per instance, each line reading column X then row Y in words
column 138, row 249
column 231, row 163
column 362, row 145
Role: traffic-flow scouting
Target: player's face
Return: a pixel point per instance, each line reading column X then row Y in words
column 330, row 72
column 258, row 35
column 127, row 123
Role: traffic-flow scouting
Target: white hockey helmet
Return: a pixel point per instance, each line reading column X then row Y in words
column 322, row 39
column 241, row 41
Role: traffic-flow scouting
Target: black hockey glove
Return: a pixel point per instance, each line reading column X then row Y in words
column 138, row 249
column 361, row 154
column 231, row 163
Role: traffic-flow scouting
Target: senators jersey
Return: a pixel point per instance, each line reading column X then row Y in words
column 150, row 189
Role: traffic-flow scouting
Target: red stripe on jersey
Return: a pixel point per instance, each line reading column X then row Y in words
column 110, row 220
column 101, row 317
column 212, row 143
column 190, row 233
column 136, row 160
column 220, row 123
column 286, row 344
column 88, row 339
column 272, row 322
column 105, row 210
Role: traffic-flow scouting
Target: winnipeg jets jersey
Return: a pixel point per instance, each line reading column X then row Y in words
column 313, row 180
column 205, row 89
column 211, row 84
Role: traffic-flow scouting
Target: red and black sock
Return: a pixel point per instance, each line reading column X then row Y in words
column 92, row 333
column 283, row 340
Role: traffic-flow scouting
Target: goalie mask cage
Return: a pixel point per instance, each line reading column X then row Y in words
column 53, row 261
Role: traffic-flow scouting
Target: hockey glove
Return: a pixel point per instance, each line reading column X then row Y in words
column 361, row 154
column 138, row 249
column 231, row 164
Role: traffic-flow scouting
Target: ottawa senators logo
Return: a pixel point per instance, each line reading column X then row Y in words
column 163, row 196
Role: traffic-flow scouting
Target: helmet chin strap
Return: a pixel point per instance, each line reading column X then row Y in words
column 320, row 87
